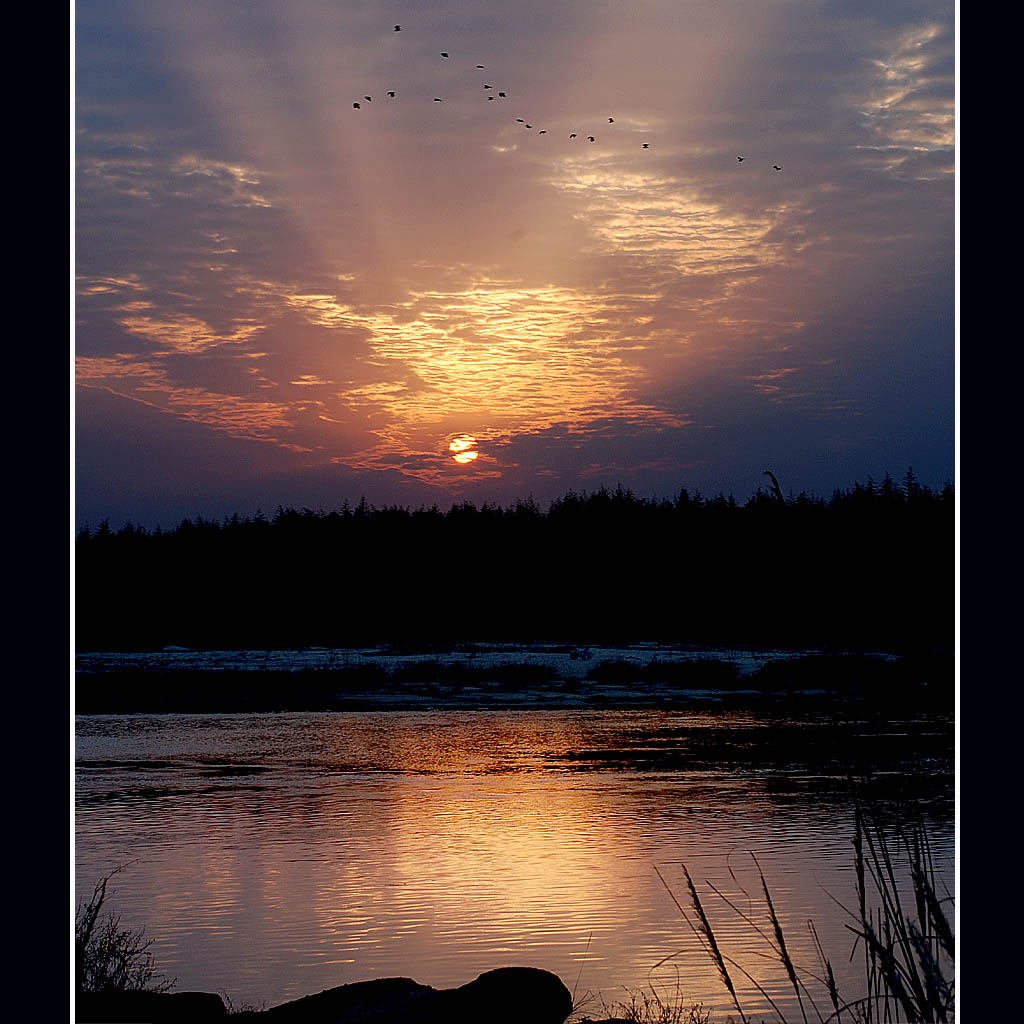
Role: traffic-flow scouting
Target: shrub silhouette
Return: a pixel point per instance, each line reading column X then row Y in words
column 109, row 958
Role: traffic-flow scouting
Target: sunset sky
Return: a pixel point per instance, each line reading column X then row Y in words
column 285, row 299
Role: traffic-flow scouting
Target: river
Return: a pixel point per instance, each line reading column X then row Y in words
column 270, row 856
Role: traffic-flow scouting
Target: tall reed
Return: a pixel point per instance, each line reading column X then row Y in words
column 904, row 928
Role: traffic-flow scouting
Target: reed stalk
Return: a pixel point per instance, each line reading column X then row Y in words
column 908, row 957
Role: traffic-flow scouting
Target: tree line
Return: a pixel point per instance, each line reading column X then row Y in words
column 869, row 566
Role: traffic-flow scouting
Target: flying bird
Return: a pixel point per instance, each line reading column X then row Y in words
column 543, row 131
column 356, row 105
column 488, row 86
column 590, row 138
column 572, row 136
column 519, row 120
column 490, row 97
column 611, row 120
column 480, row 66
column 647, row 145
column 444, row 54
column 369, row 99
column 398, row 28
column 776, row 167
column 740, row 159
column 502, row 95
column 437, row 99
column 392, row 94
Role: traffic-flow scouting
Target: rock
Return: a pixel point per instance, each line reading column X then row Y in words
column 508, row 995
column 149, row 1007
column 360, row 1001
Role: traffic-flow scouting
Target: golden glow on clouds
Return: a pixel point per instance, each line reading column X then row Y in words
column 243, row 182
column 109, row 285
column 181, row 332
column 506, row 359
column 552, row 298
column 903, row 110
column 660, row 219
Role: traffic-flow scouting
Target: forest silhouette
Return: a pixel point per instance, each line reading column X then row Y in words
column 870, row 567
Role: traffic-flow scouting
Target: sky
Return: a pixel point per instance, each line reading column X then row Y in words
column 282, row 298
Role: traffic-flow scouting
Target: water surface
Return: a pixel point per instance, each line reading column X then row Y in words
column 270, row 856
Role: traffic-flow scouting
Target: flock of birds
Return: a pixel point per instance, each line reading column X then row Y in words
column 500, row 94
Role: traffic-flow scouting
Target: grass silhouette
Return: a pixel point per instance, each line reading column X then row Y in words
column 905, row 935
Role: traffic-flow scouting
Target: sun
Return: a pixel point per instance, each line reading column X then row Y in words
column 463, row 448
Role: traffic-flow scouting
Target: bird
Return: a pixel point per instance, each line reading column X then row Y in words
column 392, row 93
column 356, row 105
column 490, row 97
column 543, row 131
column 480, row 67
column 444, row 54
column 647, row 145
column 776, row 167
column 369, row 99
column 437, row 99
column 590, row 138
column 398, row 28
column 611, row 120
column 572, row 136
column 519, row 120
column 502, row 95
column 740, row 159
column 529, row 126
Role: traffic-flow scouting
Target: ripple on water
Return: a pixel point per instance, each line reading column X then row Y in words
column 271, row 856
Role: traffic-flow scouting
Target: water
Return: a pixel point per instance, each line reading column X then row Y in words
column 272, row 856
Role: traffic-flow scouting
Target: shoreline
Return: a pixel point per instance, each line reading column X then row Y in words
column 508, row 677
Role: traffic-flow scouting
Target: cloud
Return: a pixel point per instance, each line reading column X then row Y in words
column 346, row 288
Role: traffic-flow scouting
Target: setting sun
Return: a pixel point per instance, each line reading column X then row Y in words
column 463, row 448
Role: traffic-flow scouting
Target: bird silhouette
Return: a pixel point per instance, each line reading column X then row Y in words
column 437, row 99
column 776, row 167
column 369, row 99
column 502, row 95
column 398, row 28
column 356, row 105
column 480, row 67
column 590, row 138
column 573, row 136
column 740, row 159
column 611, row 120
column 444, row 54
column 647, row 145
column 488, row 86
column 543, row 131
column 392, row 94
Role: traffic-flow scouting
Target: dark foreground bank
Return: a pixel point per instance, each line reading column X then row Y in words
column 509, row 995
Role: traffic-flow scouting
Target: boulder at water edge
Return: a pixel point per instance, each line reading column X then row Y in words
column 508, row 995
column 149, row 1007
